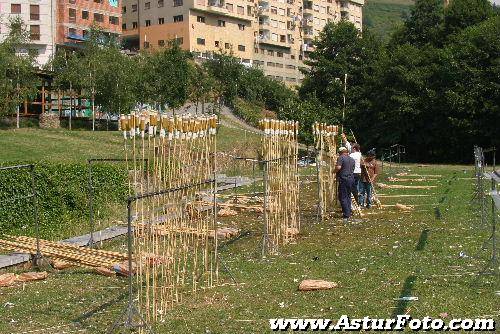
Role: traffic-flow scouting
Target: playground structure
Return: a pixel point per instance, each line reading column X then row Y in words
column 326, row 157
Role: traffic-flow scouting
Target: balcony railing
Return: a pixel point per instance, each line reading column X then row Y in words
column 34, row 36
column 34, row 17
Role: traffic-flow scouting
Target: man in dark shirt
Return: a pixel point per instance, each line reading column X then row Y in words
column 345, row 177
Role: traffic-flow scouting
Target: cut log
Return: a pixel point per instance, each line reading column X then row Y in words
column 105, row 271
column 226, row 212
column 32, row 276
column 60, row 264
column 403, row 207
column 314, row 284
column 7, row 279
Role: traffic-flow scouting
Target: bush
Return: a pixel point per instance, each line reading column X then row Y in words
column 62, row 191
column 249, row 112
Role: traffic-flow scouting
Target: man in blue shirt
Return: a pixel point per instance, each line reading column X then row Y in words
column 345, row 177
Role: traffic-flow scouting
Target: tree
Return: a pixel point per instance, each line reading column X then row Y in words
column 422, row 26
column 461, row 14
column 340, row 49
column 18, row 80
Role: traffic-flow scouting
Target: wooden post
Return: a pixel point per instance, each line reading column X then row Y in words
column 43, row 97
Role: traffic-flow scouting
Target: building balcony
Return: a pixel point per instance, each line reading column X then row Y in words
column 218, row 7
column 307, row 22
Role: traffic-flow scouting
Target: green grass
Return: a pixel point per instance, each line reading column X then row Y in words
column 383, row 16
column 72, row 146
column 388, row 255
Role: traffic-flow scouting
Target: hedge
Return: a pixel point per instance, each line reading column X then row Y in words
column 62, row 192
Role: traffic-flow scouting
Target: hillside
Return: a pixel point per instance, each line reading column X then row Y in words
column 382, row 16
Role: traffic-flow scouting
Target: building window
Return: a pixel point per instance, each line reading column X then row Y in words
column 270, row 64
column 124, row 9
column 177, row 3
column 160, row 4
column 274, row 10
column 146, row 45
column 282, row 38
column 178, row 40
column 249, row 10
column 134, row 25
column 161, row 42
column 292, row 56
column 114, row 20
column 216, row 44
column 98, row 1
column 85, row 15
column 221, row 23
column 147, row 5
column 15, row 8
column 227, row 45
column 72, row 32
column 279, row 54
column 161, row 20
column 229, row 7
column 72, row 15
column 124, row 26
column 34, row 12
column 241, row 48
column 241, row 26
column 134, row 8
column 178, row 18
column 34, row 32
column 148, row 23
column 98, row 17
column 200, row 41
column 240, row 10
column 200, row 19
column 270, row 52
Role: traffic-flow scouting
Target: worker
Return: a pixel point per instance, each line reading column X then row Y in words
column 355, row 153
column 345, row 178
column 370, row 170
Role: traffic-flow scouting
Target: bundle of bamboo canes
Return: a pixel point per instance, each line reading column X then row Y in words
column 173, row 247
column 326, row 157
column 280, row 151
column 71, row 254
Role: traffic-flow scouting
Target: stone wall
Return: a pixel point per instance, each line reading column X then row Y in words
column 49, row 121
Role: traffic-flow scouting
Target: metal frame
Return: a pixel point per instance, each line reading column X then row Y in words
column 38, row 256
column 131, row 309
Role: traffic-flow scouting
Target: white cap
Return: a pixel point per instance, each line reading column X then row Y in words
column 342, row 149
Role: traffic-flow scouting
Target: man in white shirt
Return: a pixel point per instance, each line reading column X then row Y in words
column 355, row 153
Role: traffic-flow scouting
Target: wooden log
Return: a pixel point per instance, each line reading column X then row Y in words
column 313, row 284
column 7, row 279
column 32, row 276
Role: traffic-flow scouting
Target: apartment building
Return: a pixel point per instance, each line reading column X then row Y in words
column 275, row 35
column 39, row 18
column 76, row 17
column 59, row 23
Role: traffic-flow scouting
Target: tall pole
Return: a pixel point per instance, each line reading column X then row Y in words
column 343, row 110
column 17, row 88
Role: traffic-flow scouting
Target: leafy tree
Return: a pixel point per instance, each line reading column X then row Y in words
column 227, row 72
column 461, row 14
column 340, row 50
column 18, row 80
column 423, row 25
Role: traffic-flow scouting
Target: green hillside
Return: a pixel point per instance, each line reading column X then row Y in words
column 382, row 16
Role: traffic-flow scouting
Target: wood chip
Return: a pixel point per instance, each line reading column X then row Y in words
column 314, row 284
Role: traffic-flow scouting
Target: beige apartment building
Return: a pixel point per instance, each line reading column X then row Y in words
column 275, row 35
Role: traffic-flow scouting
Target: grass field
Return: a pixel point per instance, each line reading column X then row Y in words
column 382, row 16
column 388, row 255
column 77, row 146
